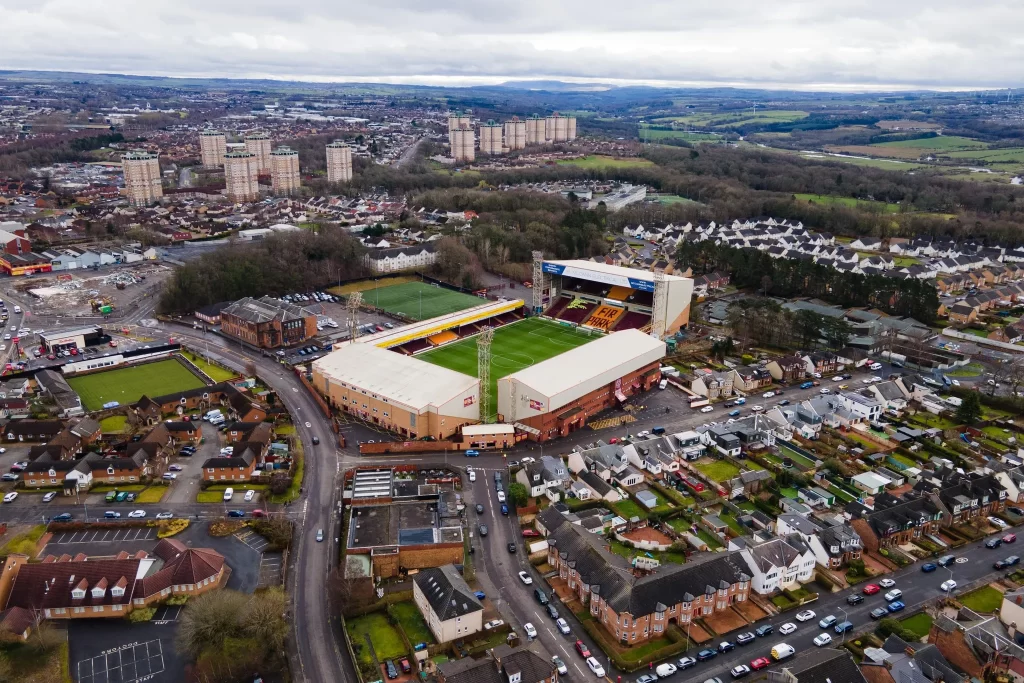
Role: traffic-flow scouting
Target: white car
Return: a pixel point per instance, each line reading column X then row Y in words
column 227, row 450
column 595, row 666
column 706, row 409
column 876, row 378
column 531, row 632
column 768, row 394
column 560, row 666
column 49, row 496
column 837, row 378
column 169, row 476
column 527, row 460
column 665, row 670
column 165, row 515
column 823, row 640
column 494, row 624
column 886, row 583
column 894, row 594
column 9, row 498
column 563, row 626
column 806, row 615
column 817, row 375
column 472, row 475
column 249, row 494
column 824, row 390
column 136, row 514
column 525, row 578
column 739, row 671
column 995, row 521
column 756, row 409
column 948, row 585
column 787, row 628
column 955, row 382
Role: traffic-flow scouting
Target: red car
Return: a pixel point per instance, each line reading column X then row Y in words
column 582, row 649
column 1009, row 538
column 530, row 533
column 871, row 589
column 760, row 663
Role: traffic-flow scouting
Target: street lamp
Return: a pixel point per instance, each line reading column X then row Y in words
column 949, row 587
column 845, row 619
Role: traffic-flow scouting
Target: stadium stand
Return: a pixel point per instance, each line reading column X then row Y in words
column 442, row 338
column 577, row 311
column 415, row 346
column 604, row 317
column 620, row 293
column 587, row 287
column 557, row 306
column 633, row 321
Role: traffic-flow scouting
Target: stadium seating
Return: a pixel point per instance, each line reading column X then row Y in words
column 415, row 346
column 633, row 321
column 604, row 317
column 577, row 311
column 557, row 306
column 442, row 338
column 620, row 293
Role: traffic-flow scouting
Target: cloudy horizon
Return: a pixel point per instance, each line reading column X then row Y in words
column 788, row 44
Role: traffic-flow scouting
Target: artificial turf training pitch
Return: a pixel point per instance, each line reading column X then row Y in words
column 419, row 300
column 127, row 385
column 515, row 347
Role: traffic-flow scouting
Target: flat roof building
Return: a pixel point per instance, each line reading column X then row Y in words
column 142, row 178
column 284, row 171
column 240, row 176
column 259, row 144
column 396, row 391
column 212, row 148
column 339, row 162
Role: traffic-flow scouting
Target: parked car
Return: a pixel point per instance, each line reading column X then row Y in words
column 948, row 585
column 512, row 548
column 405, row 666
column 705, row 655
column 391, row 669
column 686, row 662
column 1009, row 538
column 112, row 514
column 787, row 628
column 530, row 533
column 894, row 594
column 744, row 638
column 563, row 626
column 665, row 670
column 827, row 621
column 760, row 663
column 479, row 509
column 896, row 606
column 63, row 517
column 137, row 514
column 525, row 578
column 165, row 515
column 993, row 543
column 49, row 496
column 582, row 648
column 483, row 529
column 236, row 513
column 175, row 468
column 249, row 495
column 765, row 630
column 854, row 599
column 929, row 567
column 870, row 589
column 647, row 678
column 879, row 613
column 996, row 522
column 946, row 560
column 560, row 666
column 886, row 583
column 726, row 646
column 531, row 632
column 596, row 667
column 9, row 476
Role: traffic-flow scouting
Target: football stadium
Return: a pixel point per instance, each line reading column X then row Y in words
column 590, row 338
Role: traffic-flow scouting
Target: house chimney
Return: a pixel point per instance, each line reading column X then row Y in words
column 1019, row 599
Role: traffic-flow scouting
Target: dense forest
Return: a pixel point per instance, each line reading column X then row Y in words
column 294, row 262
column 794, row 278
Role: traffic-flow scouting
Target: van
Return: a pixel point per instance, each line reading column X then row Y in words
column 216, row 420
column 228, row 493
column 213, row 413
column 875, row 366
column 782, row 651
column 662, row 384
column 17, row 309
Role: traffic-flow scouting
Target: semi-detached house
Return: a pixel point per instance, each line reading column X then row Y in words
column 779, row 563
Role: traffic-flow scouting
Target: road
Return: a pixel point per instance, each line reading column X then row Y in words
column 408, row 154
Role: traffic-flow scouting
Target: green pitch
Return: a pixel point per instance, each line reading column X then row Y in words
column 419, row 300
column 515, row 347
column 127, row 385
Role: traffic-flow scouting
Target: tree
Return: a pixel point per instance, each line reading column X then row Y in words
column 279, row 482
column 348, row 594
column 517, row 494
column 208, row 619
column 969, row 410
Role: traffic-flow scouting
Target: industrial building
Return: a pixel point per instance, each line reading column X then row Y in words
column 142, row 178
column 240, row 176
column 462, row 144
column 284, row 171
column 555, row 397
column 622, row 197
column 212, row 148
column 339, row 162
column 398, row 392
column 267, row 322
column 490, row 138
column 259, row 144
column 515, row 134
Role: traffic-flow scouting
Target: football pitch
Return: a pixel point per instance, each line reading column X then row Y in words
column 419, row 300
column 127, row 385
column 515, row 347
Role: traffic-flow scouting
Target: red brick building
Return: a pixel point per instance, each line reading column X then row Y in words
column 267, row 322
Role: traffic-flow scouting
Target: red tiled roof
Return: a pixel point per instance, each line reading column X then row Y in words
column 15, row 620
column 49, row 585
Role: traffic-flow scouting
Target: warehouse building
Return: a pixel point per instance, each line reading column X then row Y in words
column 555, row 397
column 398, row 392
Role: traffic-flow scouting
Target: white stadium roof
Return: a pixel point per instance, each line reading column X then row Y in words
column 403, row 380
column 605, row 269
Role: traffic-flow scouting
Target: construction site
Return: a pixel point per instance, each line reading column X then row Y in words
column 88, row 293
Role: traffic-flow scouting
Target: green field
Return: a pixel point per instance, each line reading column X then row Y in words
column 868, row 204
column 656, row 134
column 419, row 300
column 735, row 119
column 127, row 385
column 515, row 347
column 884, row 164
column 941, row 143
column 600, row 161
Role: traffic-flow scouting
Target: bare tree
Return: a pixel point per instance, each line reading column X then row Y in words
column 208, row 619
column 264, row 618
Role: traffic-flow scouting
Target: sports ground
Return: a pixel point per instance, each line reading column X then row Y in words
column 515, row 347
column 127, row 385
column 419, row 300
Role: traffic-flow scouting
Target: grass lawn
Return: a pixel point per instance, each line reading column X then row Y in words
column 411, row 621
column 732, row 522
column 936, row 421
column 996, row 433
column 627, row 509
column 629, row 553
column 127, row 385
column 114, row 424
column 601, row 161
column 849, row 202
column 419, row 300
column 515, row 347
column 941, row 143
column 106, row 488
column 920, row 624
column 713, row 543
column 298, row 472
column 24, row 543
column 154, row 494
column 984, row 600
column 364, row 285
column 387, row 642
column 210, row 497
column 789, row 492
column 720, row 470
column 212, row 370
column 285, row 430
column 31, row 666
column 898, row 457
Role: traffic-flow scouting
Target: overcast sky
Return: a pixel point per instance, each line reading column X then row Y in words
column 822, row 44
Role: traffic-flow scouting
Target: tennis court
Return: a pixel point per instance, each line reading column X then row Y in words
column 515, row 347
column 127, row 385
column 419, row 300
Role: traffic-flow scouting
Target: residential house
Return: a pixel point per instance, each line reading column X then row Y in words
column 787, row 369
column 547, row 476
column 239, row 466
column 779, row 563
column 501, row 664
column 818, row 665
column 447, row 603
column 977, row 645
column 32, row 430
column 869, row 482
column 750, row 378
column 897, row 661
column 634, row 609
column 821, row 362
column 896, row 521
column 866, row 408
column 122, row 470
column 599, row 488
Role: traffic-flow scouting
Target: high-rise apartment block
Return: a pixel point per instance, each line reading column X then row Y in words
column 339, row 162
column 535, row 131
column 212, row 148
column 142, row 178
column 515, row 134
column 456, row 121
column 284, row 171
column 240, row 175
column 259, row 144
column 462, row 143
column 490, row 138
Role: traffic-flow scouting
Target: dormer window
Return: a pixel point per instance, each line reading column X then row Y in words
column 78, row 593
column 98, row 592
column 117, row 592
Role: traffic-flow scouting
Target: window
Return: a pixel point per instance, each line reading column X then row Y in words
column 97, row 608
column 78, row 593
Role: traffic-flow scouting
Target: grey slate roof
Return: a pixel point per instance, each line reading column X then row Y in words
column 446, row 591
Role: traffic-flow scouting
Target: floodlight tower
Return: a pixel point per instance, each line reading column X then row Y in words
column 355, row 299
column 483, row 371
column 660, row 309
column 538, row 282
